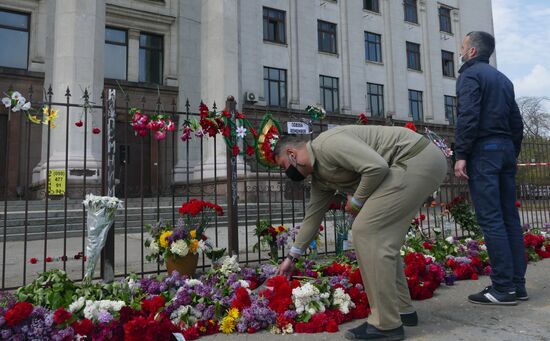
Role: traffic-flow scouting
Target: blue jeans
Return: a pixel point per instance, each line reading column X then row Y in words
column 492, row 170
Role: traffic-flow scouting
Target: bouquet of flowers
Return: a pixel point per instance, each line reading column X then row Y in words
column 159, row 124
column 101, row 216
column 16, row 102
column 272, row 236
column 187, row 237
column 316, row 112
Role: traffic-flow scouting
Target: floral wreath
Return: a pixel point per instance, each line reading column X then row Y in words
column 270, row 132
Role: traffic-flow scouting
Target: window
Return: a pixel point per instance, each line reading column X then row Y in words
column 371, row 5
column 150, row 58
column 411, row 14
column 450, row 109
column 327, row 36
column 375, row 99
column 116, row 51
column 373, row 47
column 413, row 56
column 329, row 93
column 415, row 105
column 445, row 19
column 274, row 25
column 14, row 35
column 448, row 62
column 275, row 86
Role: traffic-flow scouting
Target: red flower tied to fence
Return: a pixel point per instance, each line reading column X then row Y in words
column 79, row 123
column 96, row 131
column 362, row 119
column 410, row 126
column 158, row 124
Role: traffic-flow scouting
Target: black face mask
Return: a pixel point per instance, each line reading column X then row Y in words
column 294, row 174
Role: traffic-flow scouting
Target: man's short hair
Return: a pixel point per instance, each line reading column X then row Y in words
column 288, row 141
column 483, row 42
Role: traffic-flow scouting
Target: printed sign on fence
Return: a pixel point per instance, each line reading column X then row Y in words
column 56, row 179
column 297, row 128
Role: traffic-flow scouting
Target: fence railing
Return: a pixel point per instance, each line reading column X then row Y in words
column 46, row 171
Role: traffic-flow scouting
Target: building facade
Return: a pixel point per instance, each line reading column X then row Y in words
column 393, row 59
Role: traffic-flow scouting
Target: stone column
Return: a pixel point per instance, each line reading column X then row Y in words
column 390, row 95
column 427, row 65
column 74, row 61
column 220, row 72
column 293, row 43
column 133, row 55
column 345, row 55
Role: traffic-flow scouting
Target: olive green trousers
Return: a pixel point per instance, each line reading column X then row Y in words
column 380, row 228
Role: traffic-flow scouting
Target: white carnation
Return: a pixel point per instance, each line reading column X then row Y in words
column 450, row 239
column 179, row 248
column 77, row 305
column 154, row 247
column 191, row 282
column 230, row 265
column 483, row 247
column 342, row 300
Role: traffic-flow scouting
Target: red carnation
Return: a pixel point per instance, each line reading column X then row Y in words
column 152, row 305
column 33, row 260
column 49, row 259
column 96, row 131
column 79, row 123
column 61, row 315
column 18, row 313
column 254, row 133
column 235, row 150
column 250, row 150
column 241, row 300
column 517, row 203
column 251, row 330
column 332, row 326
column 239, row 115
column 83, row 327
column 226, row 132
column 422, row 217
column 411, row 126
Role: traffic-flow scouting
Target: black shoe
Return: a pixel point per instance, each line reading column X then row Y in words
column 491, row 296
column 368, row 332
column 521, row 294
column 409, row 319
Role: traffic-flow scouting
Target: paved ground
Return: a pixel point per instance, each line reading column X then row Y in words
column 448, row 316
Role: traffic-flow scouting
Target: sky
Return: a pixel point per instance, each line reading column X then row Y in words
column 522, row 34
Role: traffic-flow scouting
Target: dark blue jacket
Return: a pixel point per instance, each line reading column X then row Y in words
column 486, row 107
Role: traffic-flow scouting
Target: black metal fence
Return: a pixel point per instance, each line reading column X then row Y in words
column 46, row 172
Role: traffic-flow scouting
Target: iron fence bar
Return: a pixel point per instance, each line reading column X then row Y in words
column 125, row 165
column 27, row 183
column 187, row 106
column 173, row 180
column 47, row 187
column 6, row 168
column 141, row 179
column 67, row 122
column 231, row 193
column 86, row 106
column 245, row 185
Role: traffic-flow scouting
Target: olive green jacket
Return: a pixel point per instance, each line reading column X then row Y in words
column 352, row 159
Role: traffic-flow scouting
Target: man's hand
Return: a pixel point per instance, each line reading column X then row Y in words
column 460, row 169
column 349, row 208
column 286, row 268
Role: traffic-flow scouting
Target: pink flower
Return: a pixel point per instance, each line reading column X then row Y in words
column 159, row 135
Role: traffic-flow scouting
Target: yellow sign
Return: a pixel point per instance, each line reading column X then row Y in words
column 56, row 182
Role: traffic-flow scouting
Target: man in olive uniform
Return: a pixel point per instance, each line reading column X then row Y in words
column 388, row 172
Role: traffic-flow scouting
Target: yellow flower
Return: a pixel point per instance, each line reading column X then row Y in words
column 228, row 325
column 163, row 241
column 202, row 329
column 49, row 116
column 193, row 234
column 233, row 313
column 281, row 228
column 34, row 119
column 194, row 246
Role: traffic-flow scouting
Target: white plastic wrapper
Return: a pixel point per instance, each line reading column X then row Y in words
column 101, row 216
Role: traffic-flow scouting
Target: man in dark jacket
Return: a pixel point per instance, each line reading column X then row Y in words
column 489, row 131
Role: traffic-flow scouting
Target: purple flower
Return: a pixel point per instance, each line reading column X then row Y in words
column 6, row 333
column 290, row 314
column 63, row 334
column 105, row 317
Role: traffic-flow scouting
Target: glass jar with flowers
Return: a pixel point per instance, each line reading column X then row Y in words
column 179, row 246
column 271, row 236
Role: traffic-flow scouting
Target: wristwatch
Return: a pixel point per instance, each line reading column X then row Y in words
column 292, row 258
